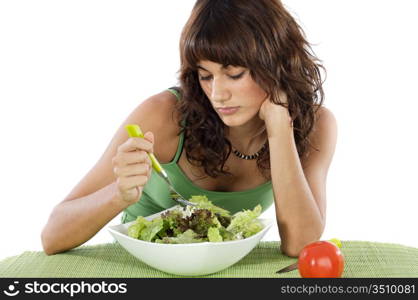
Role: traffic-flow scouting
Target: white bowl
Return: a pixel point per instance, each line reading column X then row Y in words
column 187, row 259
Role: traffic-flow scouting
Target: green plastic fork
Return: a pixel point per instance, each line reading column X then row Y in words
column 135, row 131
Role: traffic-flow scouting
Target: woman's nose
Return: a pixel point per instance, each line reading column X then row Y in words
column 219, row 92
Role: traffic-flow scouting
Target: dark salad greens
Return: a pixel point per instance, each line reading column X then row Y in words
column 205, row 222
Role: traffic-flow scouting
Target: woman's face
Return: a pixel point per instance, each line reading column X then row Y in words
column 231, row 87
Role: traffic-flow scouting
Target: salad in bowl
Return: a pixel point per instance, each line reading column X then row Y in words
column 192, row 240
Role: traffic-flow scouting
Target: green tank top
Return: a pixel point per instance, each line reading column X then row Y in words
column 156, row 197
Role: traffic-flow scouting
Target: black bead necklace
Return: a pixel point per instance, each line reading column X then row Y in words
column 249, row 157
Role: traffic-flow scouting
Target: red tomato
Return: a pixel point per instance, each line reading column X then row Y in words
column 321, row 259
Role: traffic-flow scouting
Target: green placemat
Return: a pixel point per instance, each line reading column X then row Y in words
column 362, row 259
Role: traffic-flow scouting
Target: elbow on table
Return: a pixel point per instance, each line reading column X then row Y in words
column 49, row 246
column 293, row 244
column 49, row 252
column 294, row 249
column 291, row 252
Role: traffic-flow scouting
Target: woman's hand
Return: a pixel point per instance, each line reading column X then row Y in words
column 132, row 167
column 275, row 115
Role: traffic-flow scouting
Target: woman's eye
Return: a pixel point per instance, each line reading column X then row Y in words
column 235, row 77
column 205, row 77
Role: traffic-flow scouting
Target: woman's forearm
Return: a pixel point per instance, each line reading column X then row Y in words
column 298, row 216
column 74, row 222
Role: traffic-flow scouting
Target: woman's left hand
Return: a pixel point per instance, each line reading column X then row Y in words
column 270, row 111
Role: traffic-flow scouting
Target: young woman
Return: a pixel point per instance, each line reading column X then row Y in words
column 246, row 126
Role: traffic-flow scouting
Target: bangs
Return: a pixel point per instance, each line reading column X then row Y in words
column 219, row 39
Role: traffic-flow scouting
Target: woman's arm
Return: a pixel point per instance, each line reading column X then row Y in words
column 300, row 193
column 73, row 222
column 95, row 201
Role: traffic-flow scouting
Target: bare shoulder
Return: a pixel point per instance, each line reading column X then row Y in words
column 325, row 118
column 156, row 114
column 323, row 137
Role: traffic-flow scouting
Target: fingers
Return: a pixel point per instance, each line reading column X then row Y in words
column 149, row 136
column 128, row 158
column 136, row 143
column 132, row 166
column 133, row 182
column 132, row 170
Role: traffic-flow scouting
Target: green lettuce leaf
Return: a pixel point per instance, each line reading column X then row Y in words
column 245, row 224
column 150, row 232
column 135, row 229
column 204, row 203
column 214, row 235
column 226, row 235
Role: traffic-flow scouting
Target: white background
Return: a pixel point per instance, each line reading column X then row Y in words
column 71, row 72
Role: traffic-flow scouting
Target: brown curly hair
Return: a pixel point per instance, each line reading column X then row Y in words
column 263, row 37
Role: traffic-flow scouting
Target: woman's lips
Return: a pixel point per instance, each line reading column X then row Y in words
column 228, row 110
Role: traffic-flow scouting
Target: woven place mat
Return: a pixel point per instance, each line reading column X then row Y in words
column 362, row 259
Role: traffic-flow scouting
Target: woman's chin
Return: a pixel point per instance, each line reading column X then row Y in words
column 236, row 121
column 233, row 122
